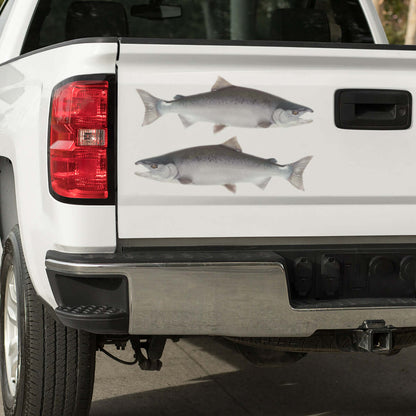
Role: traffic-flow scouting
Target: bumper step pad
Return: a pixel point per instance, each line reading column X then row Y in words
column 99, row 319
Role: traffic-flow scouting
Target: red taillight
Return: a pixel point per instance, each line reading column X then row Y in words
column 79, row 140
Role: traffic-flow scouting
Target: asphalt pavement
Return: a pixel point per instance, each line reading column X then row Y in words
column 202, row 377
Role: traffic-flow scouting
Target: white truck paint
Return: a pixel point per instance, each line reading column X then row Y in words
column 45, row 223
column 199, row 260
column 344, row 179
column 70, row 229
column 346, row 187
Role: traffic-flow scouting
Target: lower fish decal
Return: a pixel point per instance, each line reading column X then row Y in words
column 227, row 105
column 223, row 164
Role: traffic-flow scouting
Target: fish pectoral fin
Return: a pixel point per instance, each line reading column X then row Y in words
column 231, row 187
column 263, row 184
column 219, row 127
column 221, row 84
column 186, row 122
column 264, row 124
column 233, row 144
column 185, row 181
column 178, row 97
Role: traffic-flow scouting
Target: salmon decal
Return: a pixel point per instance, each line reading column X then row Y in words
column 223, row 164
column 227, row 105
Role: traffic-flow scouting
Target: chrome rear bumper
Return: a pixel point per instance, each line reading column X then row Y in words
column 246, row 299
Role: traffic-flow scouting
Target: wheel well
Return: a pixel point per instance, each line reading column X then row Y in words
column 8, row 207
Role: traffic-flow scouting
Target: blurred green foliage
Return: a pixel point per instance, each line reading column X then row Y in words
column 395, row 19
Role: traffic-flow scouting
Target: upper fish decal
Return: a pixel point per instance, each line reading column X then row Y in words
column 223, row 164
column 227, row 105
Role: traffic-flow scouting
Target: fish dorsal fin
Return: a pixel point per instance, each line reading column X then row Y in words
column 272, row 160
column 178, row 97
column 221, row 84
column 233, row 144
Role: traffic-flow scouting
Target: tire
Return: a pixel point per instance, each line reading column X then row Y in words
column 53, row 371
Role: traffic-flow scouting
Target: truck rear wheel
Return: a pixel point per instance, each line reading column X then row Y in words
column 47, row 369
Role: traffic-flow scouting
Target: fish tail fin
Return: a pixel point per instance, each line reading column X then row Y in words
column 297, row 169
column 152, row 111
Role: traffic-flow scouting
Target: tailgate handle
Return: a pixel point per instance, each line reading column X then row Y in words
column 358, row 109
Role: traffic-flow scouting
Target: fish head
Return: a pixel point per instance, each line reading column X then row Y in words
column 292, row 116
column 157, row 169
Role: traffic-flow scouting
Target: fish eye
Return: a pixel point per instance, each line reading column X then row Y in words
column 295, row 112
column 154, row 165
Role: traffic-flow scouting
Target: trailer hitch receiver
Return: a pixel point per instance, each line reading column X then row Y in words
column 375, row 337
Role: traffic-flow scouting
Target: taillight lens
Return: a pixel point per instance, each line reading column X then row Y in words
column 79, row 140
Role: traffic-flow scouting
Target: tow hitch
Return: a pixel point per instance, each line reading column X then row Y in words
column 374, row 336
column 153, row 346
column 147, row 350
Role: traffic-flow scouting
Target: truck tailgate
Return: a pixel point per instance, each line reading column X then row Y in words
column 359, row 182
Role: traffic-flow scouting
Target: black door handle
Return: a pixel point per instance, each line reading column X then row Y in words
column 373, row 109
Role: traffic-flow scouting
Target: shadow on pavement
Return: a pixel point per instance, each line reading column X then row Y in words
column 320, row 384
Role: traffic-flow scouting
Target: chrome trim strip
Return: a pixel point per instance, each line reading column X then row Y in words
column 115, row 268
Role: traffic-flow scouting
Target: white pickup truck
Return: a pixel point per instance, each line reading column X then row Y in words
column 232, row 168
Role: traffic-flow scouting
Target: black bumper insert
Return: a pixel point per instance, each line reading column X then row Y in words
column 97, row 304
